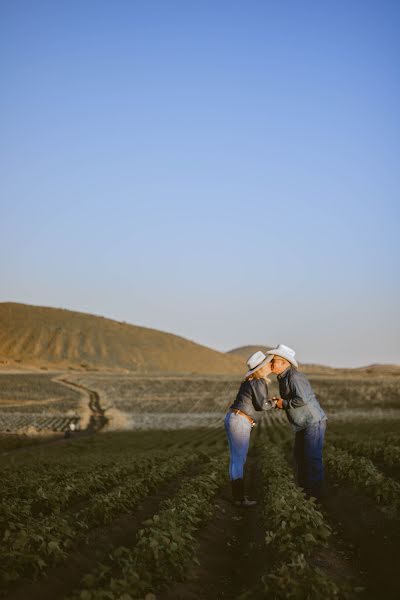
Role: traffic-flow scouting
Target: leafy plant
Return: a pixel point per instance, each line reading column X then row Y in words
column 165, row 545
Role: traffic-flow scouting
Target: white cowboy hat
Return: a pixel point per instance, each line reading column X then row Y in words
column 256, row 361
column 284, row 352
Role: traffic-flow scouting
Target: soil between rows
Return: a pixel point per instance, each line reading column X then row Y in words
column 233, row 557
column 231, row 553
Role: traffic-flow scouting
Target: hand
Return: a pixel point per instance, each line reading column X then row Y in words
column 278, row 402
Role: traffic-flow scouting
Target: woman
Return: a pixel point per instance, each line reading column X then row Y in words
column 252, row 398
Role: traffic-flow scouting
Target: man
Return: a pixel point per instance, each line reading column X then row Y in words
column 306, row 416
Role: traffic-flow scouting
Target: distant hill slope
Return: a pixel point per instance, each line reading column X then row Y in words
column 246, row 351
column 59, row 338
column 380, row 369
column 313, row 369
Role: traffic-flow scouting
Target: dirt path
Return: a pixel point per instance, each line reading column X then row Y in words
column 98, row 418
column 233, row 557
column 63, row 579
column 231, row 552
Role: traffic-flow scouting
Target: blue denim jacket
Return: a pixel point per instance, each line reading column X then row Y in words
column 299, row 401
column 252, row 398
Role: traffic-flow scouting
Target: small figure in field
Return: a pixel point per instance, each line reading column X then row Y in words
column 252, row 398
column 69, row 432
column 307, row 418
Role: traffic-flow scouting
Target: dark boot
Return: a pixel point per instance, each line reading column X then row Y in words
column 237, row 490
column 238, row 494
column 246, row 502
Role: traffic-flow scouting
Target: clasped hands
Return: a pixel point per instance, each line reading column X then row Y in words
column 277, row 402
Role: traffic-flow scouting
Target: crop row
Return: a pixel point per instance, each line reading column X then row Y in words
column 274, row 428
column 295, row 531
column 29, row 547
column 11, row 441
column 62, row 464
column 15, row 422
column 174, row 394
column 377, row 450
column 36, row 387
column 63, row 467
column 363, row 474
column 165, row 546
column 22, row 480
column 54, row 494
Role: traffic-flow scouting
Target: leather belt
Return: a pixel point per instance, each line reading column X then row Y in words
column 240, row 412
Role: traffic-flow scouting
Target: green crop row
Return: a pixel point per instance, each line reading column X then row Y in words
column 12, row 441
column 54, row 492
column 377, row 450
column 165, row 545
column 295, row 531
column 30, row 547
column 363, row 474
column 23, row 479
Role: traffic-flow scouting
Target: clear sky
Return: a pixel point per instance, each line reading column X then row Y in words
column 227, row 171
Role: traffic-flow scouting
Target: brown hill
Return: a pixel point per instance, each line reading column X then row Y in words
column 58, row 338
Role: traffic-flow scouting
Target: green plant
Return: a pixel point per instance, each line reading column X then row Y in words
column 165, row 545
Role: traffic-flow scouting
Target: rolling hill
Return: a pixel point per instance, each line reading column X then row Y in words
column 246, row 351
column 58, row 338
column 379, row 370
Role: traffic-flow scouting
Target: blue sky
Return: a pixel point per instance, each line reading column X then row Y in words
column 227, row 171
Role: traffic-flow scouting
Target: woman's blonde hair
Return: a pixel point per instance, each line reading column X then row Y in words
column 255, row 375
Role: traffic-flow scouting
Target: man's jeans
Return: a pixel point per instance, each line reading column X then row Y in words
column 238, row 430
column 307, row 454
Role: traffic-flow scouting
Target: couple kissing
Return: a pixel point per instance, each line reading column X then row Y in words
column 302, row 409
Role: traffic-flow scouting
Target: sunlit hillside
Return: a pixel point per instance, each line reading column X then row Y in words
column 61, row 338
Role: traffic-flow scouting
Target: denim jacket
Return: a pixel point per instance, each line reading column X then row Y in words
column 252, row 398
column 299, row 401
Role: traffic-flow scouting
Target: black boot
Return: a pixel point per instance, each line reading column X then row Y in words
column 238, row 494
column 237, row 491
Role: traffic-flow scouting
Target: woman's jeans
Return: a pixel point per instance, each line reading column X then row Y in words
column 307, row 454
column 238, row 430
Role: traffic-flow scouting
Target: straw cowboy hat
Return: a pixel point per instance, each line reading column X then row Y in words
column 256, row 361
column 284, row 352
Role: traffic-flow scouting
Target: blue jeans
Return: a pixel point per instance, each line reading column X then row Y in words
column 238, row 430
column 307, row 454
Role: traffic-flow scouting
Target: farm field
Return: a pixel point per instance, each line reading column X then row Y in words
column 147, row 514
column 172, row 394
column 50, row 402
column 142, row 508
column 36, row 393
column 37, row 403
